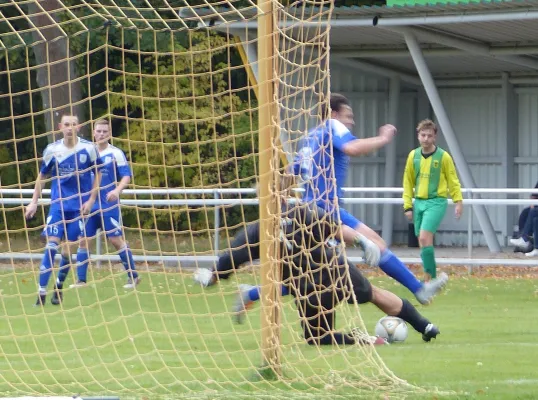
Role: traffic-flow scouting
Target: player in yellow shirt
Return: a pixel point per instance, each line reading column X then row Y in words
column 430, row 176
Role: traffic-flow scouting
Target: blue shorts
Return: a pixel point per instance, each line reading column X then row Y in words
column 63, row 225
column 109, row 221
column 341, row 215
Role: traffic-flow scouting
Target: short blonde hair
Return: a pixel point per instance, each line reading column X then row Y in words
column 69, row 116
column 427, row 124
column 101, row 121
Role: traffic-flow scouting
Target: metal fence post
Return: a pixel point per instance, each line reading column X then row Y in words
column 217, row 223
column 98, row 248
column 470, row 233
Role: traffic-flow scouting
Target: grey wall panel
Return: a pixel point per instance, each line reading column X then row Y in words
column 477, row 116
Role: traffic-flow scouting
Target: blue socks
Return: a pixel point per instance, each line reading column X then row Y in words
column 62, row 273
column 45, row 270
column 126, row 256
column 254, row 293
column 393, row 267
column 82, row 264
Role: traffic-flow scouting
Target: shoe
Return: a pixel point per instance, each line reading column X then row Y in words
column 519, row 242
column 430, row 332
column 132, row 283
column 40, row 300
column 204, row 277
column 533, row 253
column 57, row 297
column 362, row 338
column 79, row 284
column 428, row 291
column 242, row 303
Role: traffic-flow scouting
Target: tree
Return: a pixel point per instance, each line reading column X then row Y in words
column 56, row 75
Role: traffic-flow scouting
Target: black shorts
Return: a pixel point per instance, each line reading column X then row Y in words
column 361, row 286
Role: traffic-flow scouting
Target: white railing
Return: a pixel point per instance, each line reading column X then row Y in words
column 216, row 200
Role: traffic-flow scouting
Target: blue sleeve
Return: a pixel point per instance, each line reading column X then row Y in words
column 123, row 168
column 124, row 171
column 341, row 135
column 47, row 163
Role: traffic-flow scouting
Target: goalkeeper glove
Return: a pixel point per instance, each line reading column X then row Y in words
column 372, row 253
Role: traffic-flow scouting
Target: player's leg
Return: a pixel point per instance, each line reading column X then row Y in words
column 395, row 306
column 126, row 257
column 394, row 267
column 112, row 225
column 248, row 295
column 53, row 233
column 389, row 303
column 74, row 229
column 244, row 247
column 91, row 225
column 316, row 310
column 432, row 214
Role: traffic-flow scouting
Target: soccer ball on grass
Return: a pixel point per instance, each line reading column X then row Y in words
column 393, row 329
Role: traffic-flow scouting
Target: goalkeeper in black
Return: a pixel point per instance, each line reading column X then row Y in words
column 315, row 272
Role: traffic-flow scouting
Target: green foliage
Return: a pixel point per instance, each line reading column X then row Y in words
column 185, row 127
column 183, row 116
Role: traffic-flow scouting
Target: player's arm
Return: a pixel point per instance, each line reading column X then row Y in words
column 38, row 188
column 453, row 182
column 409, row 183
column 44, row 171
column 115, row 194
column 123, row 171
column 359, row 147
column 97, row 165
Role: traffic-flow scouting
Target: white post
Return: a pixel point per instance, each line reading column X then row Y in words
column 390, row 160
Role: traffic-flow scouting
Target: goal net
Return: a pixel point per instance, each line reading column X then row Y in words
column 180, row 86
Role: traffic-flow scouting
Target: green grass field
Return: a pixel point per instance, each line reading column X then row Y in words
column 170, row 338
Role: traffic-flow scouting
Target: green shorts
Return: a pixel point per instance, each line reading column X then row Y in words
column 428, row 214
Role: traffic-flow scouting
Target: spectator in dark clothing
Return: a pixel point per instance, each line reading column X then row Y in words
column 528, row 225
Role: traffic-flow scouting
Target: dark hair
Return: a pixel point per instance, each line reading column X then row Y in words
column 337, row 101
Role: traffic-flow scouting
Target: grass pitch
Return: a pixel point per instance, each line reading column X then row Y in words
column 170, row 338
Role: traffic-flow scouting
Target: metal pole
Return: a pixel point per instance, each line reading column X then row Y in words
column 217, row 225
column 450, row 136
column 390, row 160
column 470, row 230
column 436, row 20
column 98, row 247
column 270, row 333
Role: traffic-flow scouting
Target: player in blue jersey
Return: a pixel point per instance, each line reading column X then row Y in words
column 72, row 163
column 322, row 163
column 106, row 213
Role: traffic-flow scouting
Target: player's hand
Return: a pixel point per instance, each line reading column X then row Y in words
column 113, row 195
column 372, row 253
column 30, row 210
column 387, row 132
column 459, row 210
column 409, row 215
column 87, row 207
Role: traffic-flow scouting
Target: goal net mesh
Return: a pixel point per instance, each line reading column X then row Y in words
column 177, row 80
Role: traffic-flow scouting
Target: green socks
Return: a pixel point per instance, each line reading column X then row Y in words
column 428, row 260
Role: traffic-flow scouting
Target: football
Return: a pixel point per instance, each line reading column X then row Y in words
column 393, row 329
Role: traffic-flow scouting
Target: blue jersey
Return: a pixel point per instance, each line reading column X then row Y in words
column 71, row 170
column 323, row 178
column 115, row 167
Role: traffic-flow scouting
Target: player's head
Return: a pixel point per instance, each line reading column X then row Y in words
column 69, row 126
column 101, row 131
column 341, row 110
column 427, row 133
